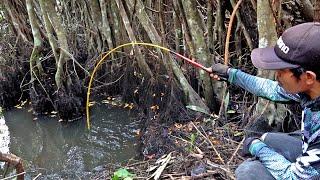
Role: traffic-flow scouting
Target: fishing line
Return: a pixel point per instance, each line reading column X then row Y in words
column 193, row 63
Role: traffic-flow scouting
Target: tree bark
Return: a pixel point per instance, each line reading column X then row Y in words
column 317, row 11
column 210, row 26
column 267, row 37
column 184, row 25
column 308, row 10
column 50, row 32
column 16, row 22
column 106, row 30
column 141, row 61
column 219, row 27
column 62, row 40
column 202, row 53
column 97, row 22
column 243, row 28
column 192, row 97
column 115, row 19
column 177, row 33
column 161, row 21
column 35, row 64
column 15, row 161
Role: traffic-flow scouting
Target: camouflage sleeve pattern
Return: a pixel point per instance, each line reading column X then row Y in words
column 279, row 166
column 262, row 87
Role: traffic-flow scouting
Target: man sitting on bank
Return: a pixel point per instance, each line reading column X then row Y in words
column 296, row 60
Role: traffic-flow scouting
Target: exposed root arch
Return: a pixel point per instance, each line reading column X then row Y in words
column 103, row 59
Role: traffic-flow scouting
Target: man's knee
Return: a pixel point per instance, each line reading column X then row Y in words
column 252, row 170
column 288, row 146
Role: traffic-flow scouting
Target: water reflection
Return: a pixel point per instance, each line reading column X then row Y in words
column 68, row 150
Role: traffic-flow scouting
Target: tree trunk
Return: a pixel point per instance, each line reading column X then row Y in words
column 141, row 61
column 267, row 37
column 18, row 26
column 210, row 26
column 50, row 32
column 106, row 30
column 115, row 21
column 96, row 17
column 307, row 10
column 317, row 11
column 192, row 97
column 243, row 28
column 202, row 53
column 35, row 64
column 62, row 39
column 161, row 21
column 177, row 33
column 219, row 27
column 184, row 25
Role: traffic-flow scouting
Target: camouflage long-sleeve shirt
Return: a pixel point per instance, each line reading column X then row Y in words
column 307, row 166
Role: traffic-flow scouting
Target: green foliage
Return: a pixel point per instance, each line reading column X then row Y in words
column 192, row 141
column 1, row 112
column 2, row 17
column 198, row 109
column 193, row 138
column 122, row 174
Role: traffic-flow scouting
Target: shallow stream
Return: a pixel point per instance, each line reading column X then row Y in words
column 69, row 151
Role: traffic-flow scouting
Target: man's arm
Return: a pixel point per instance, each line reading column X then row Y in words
column 262, row 87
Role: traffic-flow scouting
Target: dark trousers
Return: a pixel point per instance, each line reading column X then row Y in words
column 287, row 145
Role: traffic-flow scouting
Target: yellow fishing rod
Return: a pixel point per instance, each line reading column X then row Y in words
column 195, row 64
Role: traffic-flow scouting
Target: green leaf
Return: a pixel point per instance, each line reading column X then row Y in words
column 122, row 174
column 239, row 133
column 231, row 111
column 198, row 109
column 193, row 138
column 115, row 177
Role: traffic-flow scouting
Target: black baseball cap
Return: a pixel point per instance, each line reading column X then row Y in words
column 299, row 46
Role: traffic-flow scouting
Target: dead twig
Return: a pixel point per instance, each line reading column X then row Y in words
column 215, row 150
column 235, row 152
column 164, row 162
column 37, row 176
column 222, row 168
column 14, row 176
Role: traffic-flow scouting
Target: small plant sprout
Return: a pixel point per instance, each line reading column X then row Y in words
column 122, row 174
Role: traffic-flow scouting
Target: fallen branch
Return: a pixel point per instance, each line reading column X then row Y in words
column 16, row 162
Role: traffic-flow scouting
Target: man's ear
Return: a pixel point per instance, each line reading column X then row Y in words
column 311, row 77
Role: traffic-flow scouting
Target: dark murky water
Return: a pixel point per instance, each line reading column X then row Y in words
column 69, row 151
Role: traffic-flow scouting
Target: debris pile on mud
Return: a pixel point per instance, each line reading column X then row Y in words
column 194, row 150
